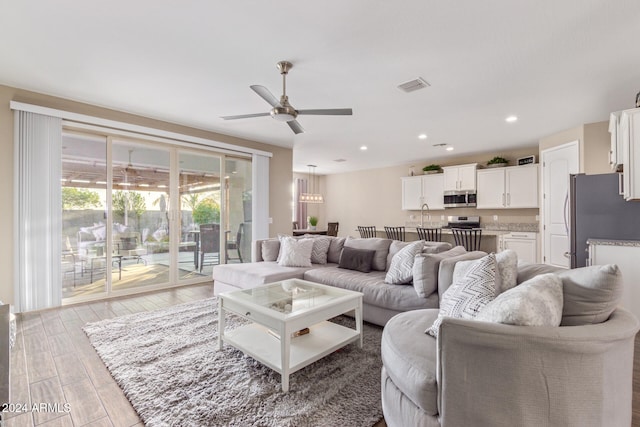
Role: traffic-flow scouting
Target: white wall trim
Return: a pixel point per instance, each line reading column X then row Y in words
column 83, row 118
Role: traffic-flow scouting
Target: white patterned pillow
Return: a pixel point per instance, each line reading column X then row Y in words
column 320, row 249
column 401, row 269
column 464, row 299
column 507, row 265
column 295, row 252
column 536, row 302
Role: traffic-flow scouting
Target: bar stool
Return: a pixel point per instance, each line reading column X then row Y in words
column 469, row 238
column 395, row 233
column 367, row 232
column 430, row 234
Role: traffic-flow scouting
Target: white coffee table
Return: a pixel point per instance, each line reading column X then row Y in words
column 277, row 311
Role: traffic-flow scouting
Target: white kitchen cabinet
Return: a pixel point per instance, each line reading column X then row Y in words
column 629, row 133
column 616, row 157
column 460, row 178
column 626, row 257
column 525, row 245
column 417, row 190
column 509, row 187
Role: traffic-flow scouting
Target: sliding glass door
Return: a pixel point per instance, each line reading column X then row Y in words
column 139, row 215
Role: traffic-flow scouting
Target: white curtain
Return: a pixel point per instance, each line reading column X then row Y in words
column 38, row 211
column 260, row 197
column 300, row 213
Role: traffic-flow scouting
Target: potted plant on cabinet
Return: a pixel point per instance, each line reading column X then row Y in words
column 431, row 169
column 313, row 222
column 497, row 162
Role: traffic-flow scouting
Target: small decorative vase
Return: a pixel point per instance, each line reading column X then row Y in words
column 312, row 227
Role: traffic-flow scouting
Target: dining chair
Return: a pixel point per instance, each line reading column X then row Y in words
column 469, row 238
column 332, row 229
column 395, row 233
column 234, row 244
column 209, row 242
column 367, row 231
column 430, row 234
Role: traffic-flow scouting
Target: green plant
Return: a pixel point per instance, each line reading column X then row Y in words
column 76, row 198
column 313, row 220
column 431, row 168
column 128, row 203
column 206, row 212
column 497, row 160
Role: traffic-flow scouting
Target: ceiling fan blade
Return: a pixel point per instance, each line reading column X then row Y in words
column 266, row 95
column 244, row 116
column 328, row 112
column 295, row 127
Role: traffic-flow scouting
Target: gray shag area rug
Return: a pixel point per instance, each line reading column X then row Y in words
column 168, row 364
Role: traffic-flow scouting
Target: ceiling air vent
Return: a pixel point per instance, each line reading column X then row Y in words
column 340, row 160
column 413, row 85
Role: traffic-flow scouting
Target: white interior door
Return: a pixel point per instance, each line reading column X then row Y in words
column 557, row 164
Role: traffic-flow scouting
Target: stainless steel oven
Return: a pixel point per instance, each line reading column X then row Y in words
column 459, row 199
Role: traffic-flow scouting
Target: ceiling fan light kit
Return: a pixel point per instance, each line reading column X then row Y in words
column 281, row 110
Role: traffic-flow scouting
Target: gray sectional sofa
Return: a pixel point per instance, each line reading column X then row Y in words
column 381, row 300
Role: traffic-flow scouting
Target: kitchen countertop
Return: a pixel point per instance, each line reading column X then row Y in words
column 613, row 242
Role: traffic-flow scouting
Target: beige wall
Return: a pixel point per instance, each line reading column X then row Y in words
column 279, row 177
column 595, row 143
column 374, row 197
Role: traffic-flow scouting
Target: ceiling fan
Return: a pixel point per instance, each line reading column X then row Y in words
column 282, row 110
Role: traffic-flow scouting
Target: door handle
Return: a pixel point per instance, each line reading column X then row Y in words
column 565, row 213
column 567, row 255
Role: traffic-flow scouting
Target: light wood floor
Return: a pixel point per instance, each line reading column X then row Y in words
column 53, row 362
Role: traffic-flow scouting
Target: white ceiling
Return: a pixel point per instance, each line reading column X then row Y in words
column 555, row 64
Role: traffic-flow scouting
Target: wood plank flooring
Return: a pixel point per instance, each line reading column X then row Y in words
column 54, row 363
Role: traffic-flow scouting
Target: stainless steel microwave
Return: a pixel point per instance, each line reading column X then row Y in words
column 459, row 199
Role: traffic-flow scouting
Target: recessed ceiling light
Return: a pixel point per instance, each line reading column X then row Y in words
column 449, row 148
column 363, row 148
column 511, row 119
column 422, row 136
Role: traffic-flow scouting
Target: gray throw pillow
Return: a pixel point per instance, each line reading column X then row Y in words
column 401, row 270
column 335, row 249
column 270, row 249
column 528, row 270
column 591, row 294
column 466, row 298
column 506, row 278
column 426, row 267
column 536, row 302
column 394, row 248
column 357, row 259
column 381, row 246
column 320, row 249
column 445, row 272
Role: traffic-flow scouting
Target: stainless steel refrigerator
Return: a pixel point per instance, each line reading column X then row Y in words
column 598, row 211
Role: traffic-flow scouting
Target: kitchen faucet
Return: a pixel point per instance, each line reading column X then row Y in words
column 422, row 213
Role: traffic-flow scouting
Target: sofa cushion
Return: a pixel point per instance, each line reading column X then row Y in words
column 270, row 249
column 409, row 357
column 590, row 294
column 536, row 302
column 528, row 270
column 465, row 299
column 436, row 247
column 320, row 249
column 401, row 269
column 447, row 265
column 295, row 253
column 373, row 287
column 252, row 274
column 335, row 249
column 357, row 259
column 425, row 270
column 381, row 246
column 507, row 273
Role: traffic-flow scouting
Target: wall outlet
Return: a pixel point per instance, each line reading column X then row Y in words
column 495, row 217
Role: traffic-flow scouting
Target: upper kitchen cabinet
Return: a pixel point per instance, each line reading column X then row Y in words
column 616, row 152
column 460, row 178
column 508, row 188
column 628, row 133
column 417, row 190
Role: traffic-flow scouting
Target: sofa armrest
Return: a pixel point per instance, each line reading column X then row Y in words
column 492, row 374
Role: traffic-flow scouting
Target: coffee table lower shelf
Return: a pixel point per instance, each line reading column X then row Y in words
column 323, row 338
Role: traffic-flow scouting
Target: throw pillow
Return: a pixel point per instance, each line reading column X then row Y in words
column 466, row 298
column 436, row 247
column 335, row 249
column 536, row 302
column 425, row 270
column 357, row 259
column 270, row 249
column 401, row 270
column 507, row 263
column 320, row 249
column 590, row 294
column 381, row 246
column 295, row 252
column 528, row 270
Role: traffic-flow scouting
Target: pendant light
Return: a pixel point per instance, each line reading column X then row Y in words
column 313, row 195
